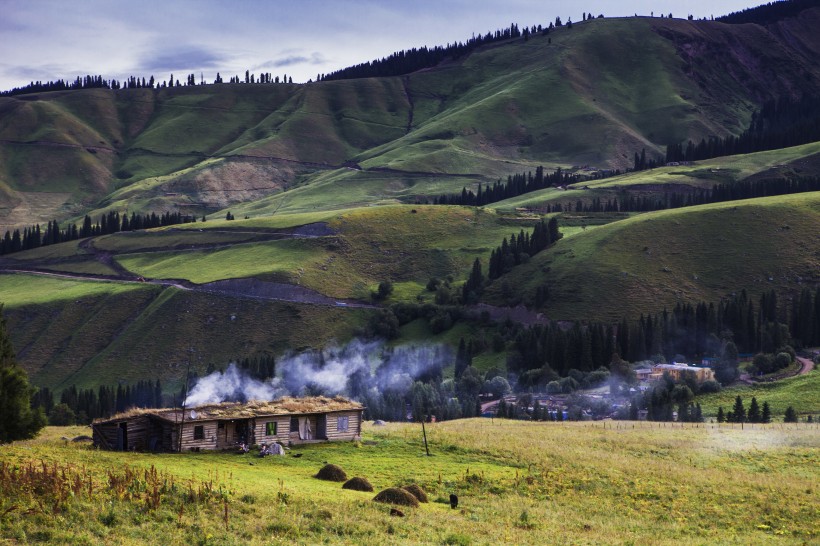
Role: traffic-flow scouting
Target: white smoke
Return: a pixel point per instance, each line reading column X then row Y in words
column 232, row 384
column 359, row 367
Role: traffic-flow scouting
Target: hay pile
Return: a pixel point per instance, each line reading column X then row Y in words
column 416, row 491
column 358, row 484
column 331, row 473
column 394, row 495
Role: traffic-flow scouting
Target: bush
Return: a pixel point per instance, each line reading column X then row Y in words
column 709, row 386
column 61, row 416
column 383, row 291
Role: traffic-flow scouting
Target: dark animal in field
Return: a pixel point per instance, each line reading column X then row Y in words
column 396, row 512
column 453, row 501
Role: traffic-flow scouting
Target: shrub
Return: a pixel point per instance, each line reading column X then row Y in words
column 709, row 386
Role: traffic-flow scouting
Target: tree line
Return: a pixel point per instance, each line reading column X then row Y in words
column 691, row 331
column 521, row 247
column 81, row 406
column 719, row 193
column 780, row 123
column 410, row 60
column 517, row 184
column 112, row 222
column 668, row 400
column 769, row 13
column 133, row 82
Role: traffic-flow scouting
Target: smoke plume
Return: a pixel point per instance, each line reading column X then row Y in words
column 351, row 370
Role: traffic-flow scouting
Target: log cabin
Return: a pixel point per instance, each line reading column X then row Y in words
column 289, row 421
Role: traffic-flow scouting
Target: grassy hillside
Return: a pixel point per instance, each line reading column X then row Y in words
column 595, row 93
column 355, row 251
column 89, row 333
column 655, row 260
column 801, row 392
column 783, row 163
column 517, row 482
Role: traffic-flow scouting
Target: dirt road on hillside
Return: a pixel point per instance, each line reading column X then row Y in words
column 806, row 365
column 240, row 288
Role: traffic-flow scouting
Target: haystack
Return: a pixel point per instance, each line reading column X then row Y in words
column 394, row 495
column 358, row 484
column 331, row 473
column 416, row 491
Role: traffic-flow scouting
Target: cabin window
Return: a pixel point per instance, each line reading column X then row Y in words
column 342, row 423
column 294, row 424
column 199, row 432
column 270, row 428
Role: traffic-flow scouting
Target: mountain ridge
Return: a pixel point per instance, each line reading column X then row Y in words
column 483, row 114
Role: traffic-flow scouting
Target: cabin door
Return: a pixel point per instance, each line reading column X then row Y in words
column 122, row 437
column 321, row 427
column 242, row 432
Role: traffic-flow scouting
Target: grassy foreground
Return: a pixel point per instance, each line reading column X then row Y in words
column 518, row 482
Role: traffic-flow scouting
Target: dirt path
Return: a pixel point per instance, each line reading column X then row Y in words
column 238, row 288
column 806, row 365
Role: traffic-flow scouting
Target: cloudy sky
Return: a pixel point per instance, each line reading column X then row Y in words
column 53, row 39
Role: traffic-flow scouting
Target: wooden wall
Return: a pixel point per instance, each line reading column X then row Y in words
column 282, row 429
column 139, row 431
column 354, row 426
column 208, row 442
column 146, row 433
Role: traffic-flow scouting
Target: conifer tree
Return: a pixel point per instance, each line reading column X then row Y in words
column 18, row 421
column 766, row 414
column 754, row 412
column 790, row 416
column 739, row 412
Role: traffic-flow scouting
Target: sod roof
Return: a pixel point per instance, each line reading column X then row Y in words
column 236, row 410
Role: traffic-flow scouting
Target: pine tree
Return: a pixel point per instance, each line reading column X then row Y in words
column 766, row 414
column 754, row 412
column 472, row 289
column 18, row 421
column 720, row 416
column 739, row 412
column 790, row 416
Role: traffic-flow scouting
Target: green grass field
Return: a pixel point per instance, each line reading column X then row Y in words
column 654, row 260
column 517, row 483
column 801, row 392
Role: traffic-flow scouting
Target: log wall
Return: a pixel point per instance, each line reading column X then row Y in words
column 282, row 429
column 208, row 442
column 354, row 426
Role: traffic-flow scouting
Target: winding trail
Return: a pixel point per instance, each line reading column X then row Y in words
column 807, row 365
column 249, row 288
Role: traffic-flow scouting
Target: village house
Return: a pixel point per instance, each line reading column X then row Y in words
column 289, row 421
column 676, row 372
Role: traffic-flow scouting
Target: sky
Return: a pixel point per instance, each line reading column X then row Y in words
column 61, row 39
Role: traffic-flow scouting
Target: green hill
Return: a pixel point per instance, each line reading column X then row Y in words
column 654, row 260
column 595, row 94
column 326, row 180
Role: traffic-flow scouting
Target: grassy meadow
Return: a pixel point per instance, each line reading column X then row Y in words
column 517, row 482
column 802, row 392
column 654, row 260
